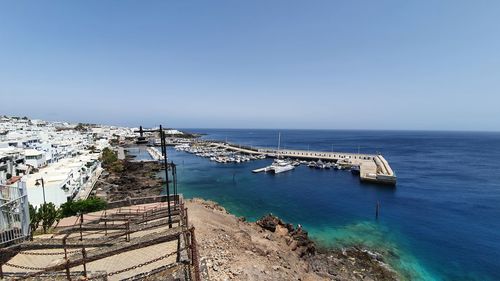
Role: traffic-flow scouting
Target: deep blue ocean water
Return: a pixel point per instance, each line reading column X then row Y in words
column 441, row 221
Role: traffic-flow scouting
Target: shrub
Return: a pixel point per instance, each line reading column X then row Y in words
column 116, row 167
column 71, row 208
column 108, row 156
column 34, row 218
column 49, row 214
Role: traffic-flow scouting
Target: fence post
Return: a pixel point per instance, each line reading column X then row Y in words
column 64, row 246
column 195, row 261
column 66, row 256
column 68, row 276
column 105, row 223
column 81, row 222
column 127, row 236
column 84, row 257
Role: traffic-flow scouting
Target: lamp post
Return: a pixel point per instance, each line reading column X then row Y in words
column 165, row 162
column 37, row 183
column 164, row 154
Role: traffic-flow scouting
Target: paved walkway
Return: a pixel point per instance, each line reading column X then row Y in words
column 141, row 260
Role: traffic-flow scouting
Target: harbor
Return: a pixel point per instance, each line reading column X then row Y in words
column 370, row 167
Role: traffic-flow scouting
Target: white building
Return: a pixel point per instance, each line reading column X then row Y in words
column 35, row 158
column 62, row 180
column 11, row 163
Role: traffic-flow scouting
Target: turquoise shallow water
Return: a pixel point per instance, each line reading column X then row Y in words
column 441, row 222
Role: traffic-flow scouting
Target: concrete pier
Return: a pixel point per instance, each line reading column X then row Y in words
column 373, row 167
column 154, row 153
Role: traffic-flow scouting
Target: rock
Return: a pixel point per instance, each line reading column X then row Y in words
column 269, row 222
column 281, row 231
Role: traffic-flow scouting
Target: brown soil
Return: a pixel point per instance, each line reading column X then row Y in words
column 232, row 249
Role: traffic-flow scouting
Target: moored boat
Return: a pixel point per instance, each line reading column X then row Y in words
column 280, row 166
column 355, row 169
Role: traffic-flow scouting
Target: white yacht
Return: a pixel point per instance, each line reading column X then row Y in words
column 280, row 166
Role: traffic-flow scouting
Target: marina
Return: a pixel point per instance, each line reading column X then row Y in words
column 370, row 167
column 217, row 154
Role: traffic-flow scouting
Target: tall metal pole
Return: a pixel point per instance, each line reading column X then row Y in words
column 43, row 190
column 164, row 152
column 174, row 175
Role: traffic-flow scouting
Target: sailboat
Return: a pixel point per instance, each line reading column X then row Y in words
column 280, row 165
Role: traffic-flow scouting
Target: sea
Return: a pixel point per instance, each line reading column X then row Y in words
column 440, row 222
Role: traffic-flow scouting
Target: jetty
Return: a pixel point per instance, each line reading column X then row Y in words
column 154, row 153
column 373, row 167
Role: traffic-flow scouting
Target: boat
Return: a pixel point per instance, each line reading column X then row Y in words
column 280, row 166
column 311, row 164
column 355, row 169
column 320, row 164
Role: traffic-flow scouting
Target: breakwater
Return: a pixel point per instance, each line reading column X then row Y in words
column 373, row 167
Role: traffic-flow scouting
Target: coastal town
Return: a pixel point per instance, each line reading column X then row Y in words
column 65, row 156
column 76, row 206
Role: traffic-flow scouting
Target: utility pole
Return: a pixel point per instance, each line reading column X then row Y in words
column 165, row 161
column 163, row 144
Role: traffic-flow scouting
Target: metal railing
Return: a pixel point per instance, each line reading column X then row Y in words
column 14, row 214
column 76, row 256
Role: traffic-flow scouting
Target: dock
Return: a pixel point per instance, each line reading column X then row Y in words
column 373, row 167
column 154, row 153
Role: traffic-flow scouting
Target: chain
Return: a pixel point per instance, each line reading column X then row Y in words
column 48, row 254
column 136, row 266
column 38, row 254
column 25, row 267
column 100, row 276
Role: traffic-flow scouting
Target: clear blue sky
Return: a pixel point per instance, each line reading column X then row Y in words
column 254, row 64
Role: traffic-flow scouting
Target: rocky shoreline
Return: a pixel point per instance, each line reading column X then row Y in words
column 269, row 249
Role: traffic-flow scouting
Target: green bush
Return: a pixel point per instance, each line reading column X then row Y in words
column 35, row 218
column 108, row 157
column 49, row 214
column 72, row 208
column 116, row 167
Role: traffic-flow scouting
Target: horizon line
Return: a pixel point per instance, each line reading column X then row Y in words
column 337, row 129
